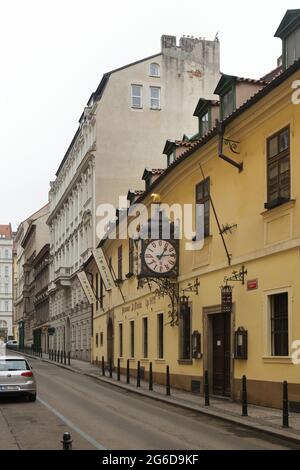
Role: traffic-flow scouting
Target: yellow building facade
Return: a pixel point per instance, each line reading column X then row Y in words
column 257, row 210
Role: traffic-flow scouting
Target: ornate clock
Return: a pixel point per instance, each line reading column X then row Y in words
column 159, row 258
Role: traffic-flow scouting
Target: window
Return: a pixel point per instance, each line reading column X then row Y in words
column 279, row 324
column 136, row 96
column 185, row 333
column 292, row 47
column 204, row 124
column 160, row 332
column 145, row 337
column 6, row 254
column 132, row 338
column 131, row 256
column 171, row 157
column 97, row 340
column 101, row 292
column 120, row 339
column 120, row 262
column 6, row 306
column 154, row 97
column 203, row 197
column 97, row 291
column 278, row 168
column 101, row 339
column 154, row 70
column 227, row 103
column 6, row 270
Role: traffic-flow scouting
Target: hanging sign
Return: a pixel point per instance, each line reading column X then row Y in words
column 86, row 286
column 104, row 269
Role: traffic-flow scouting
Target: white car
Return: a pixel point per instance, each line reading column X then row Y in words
column 16, row 377
column 12, row 343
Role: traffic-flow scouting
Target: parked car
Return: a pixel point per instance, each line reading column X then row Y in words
column 11, row 344
column 16, row 377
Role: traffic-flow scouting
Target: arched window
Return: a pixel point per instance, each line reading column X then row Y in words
column 154, row 70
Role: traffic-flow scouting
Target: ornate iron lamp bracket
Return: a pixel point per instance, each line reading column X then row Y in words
column 192, row 287
column 164, row 287
column 237, row 276
column 233, row 147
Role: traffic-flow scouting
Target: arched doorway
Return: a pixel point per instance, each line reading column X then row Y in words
column 110, row 341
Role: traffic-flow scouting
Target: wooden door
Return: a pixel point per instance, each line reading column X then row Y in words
column 221, row 354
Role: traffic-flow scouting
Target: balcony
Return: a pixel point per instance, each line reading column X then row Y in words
column 62, row 276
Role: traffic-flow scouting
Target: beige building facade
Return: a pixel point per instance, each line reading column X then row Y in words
column 123, row 128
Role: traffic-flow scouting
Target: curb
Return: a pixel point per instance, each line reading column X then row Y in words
column 279, row 433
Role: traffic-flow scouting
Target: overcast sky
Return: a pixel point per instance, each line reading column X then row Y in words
column 53, row 55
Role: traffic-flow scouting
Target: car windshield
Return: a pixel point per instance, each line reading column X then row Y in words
column 13, row 364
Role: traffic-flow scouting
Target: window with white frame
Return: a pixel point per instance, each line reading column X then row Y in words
column 136, row 96
column 154, row 70
column 155, row 97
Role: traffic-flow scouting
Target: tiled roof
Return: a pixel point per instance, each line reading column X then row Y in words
column 5, row 231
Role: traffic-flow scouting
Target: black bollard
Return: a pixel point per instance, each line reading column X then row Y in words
column 285, row 406
column 103, row 366
column 69, row 358
column 61, row 356
column 41, row 353
column 110, row 368
column 119, row 371
column 244, row 397
column 55, row 355
column 150, row 377
column 138, row 374
column 168, row 388
column 206, row 388
column 65, row 358
column 67, row 441
column 128, row 373
column 49, row 353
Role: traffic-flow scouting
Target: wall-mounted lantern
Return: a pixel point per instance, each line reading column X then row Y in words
column 241, row 344
column 226, row 298
column 196, row 345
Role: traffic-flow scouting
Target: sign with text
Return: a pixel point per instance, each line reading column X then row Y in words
column 104, row 269
column 252, row 284
column 86, row 286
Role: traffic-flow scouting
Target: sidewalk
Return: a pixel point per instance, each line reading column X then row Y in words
column 259, row 418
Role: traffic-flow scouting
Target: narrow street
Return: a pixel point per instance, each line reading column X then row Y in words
column 99, row 416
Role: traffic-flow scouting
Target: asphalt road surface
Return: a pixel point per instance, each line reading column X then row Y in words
column 101, row 416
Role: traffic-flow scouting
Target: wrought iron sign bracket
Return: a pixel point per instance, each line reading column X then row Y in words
column 165, row 287
column 233, row 147
column 192, row 287
column 237, row 276
column 227, row 228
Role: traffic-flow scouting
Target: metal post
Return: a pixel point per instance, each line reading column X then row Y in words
column 285, row 406
column 67, row 441
column 110, row 368
column 244, row 397
column 138, row 374
column 69, row 358
column 168, row 388
column 49, row 352
column 103, row 366
column 206, row 388
column 65, row 358
column 128, row 373
column 119, row 371
column 55, row 355
column 41, row 353
column 61, row 356
column 150, row 377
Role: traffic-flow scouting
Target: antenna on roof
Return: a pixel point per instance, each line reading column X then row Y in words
column 217, row 36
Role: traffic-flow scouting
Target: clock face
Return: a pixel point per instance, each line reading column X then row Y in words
column 160, row 256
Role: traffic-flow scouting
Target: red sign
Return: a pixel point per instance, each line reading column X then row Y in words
column 252, row 284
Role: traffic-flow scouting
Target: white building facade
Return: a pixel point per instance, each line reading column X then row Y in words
column 122, row 130
column 6, row 282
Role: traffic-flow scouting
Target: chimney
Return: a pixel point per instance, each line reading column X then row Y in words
column 168, row 41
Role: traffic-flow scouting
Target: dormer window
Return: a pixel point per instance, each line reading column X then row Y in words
column 171, row 157
column 227, row 103
column 204, row 124
column 289, row 32
column 154, row 70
